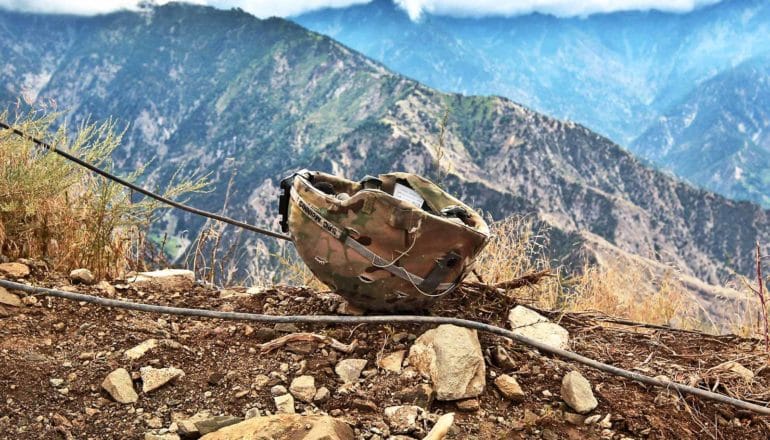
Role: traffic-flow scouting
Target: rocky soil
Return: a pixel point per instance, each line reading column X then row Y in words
column 77, row 371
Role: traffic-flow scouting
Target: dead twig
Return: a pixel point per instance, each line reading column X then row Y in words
column 308, row 337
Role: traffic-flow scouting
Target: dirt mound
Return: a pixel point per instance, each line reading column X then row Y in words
column 55, row 355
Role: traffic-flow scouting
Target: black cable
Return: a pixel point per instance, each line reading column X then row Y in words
column 146, row 192
column 390, row 319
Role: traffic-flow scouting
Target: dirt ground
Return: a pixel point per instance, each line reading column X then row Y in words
column 81, row 343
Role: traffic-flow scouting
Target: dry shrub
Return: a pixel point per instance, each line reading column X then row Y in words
column 54, row 210
column 517, row 247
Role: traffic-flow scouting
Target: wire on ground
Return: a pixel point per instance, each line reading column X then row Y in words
column 390, row 319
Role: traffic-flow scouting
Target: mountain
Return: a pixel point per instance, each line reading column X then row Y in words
column 718, row 136
column 222, row 91
column 614, row 73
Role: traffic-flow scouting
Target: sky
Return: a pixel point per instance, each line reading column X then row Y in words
column 415, row 8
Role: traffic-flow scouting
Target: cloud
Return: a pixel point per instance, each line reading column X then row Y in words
column 561, row 8
column 415, row 8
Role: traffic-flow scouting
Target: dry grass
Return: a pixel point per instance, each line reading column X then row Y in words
column 623, row 289
column 51, row 209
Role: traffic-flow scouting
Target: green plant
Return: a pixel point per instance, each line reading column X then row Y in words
column 55, row 210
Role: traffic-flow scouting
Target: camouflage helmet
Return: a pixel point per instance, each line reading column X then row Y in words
column 391, row 243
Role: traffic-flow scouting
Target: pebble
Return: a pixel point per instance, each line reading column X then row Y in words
column 120, row 386
column 349, row 370
column 82, row 276
column 303, row 388
column 284, row 404
column 154, row 378
column 576, row 392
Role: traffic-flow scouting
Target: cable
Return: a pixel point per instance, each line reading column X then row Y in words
column 146, row 192
column 390, row 319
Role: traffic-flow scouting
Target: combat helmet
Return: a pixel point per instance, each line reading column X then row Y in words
column 392, row 243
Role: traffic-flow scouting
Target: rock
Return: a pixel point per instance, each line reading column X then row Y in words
column 402, row 419
column 284, row 404
column 8, row 298
column 364, row 405
column 106, row 287
column 55, row 382
column 441, row 428
column 211, row 424
column 393, row 361
column 166, row 279
column 278, row 390
column 285, row 426
column 261, row 380
column 286, row 327
column 510, row 388
column 140, row 350
column 120, row 386
column 251, row 413
column 502, row 359
column 468, row 405
column 590, row 420
column 154, row 422
column 82, row 276
column 14, row 270
column 576, row 392
column 451, row 356
column 186, row 426
column 321, row 395
column 349, row 370
column 303, row 388
column 605, row 422
column 166, row 436
column 154, row 378
column 574, row 419
column 530, row 324
column 421, row 395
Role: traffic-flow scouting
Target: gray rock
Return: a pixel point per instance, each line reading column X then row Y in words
column 284, row 404
column 451, row 356
column 278, row 390
column 403, row 419
column 303, row 388
column 82, row 276
column 154, row 378
column 576, row 392
column 321, row 395
column 215, row 423
column 349, row 370
column 530, row 324
column 120, row 386
column 14, row 270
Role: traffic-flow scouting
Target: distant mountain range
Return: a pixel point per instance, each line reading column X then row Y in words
column 212, row 90
column 618, row 73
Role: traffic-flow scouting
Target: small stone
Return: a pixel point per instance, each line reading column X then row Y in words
column 14, row 270
column 8, row 298
column 29, row 300
column 278, row 390
column 576, row 392
column 530, row 324
column 321, row 395
column 106, row 287
column 157, row 436
column 284, row 404
column 82, row 276
column 402, row 419
column 154, row 378
column 605, row 422
column 468, row 405
column 119, row 385
column 303, row 388
column 261, row 380
column 187, row 426
column 286, row 327
column 421, row 395
column 364, row 405
column 56, row 383
column 734, row 367
column 345, row 308
column 510, row 388
column 166, row 279
column 393, row 361
column 154, row 422
column 574, row 419
column 251, row 413
column 349, row 370
column 140, row 350
column 502, row 359
column 215, row 423
column 590, row 420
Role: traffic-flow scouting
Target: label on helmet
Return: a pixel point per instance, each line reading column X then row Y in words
column 406, row 194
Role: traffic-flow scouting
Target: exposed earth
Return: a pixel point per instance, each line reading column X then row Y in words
column 55, row 355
